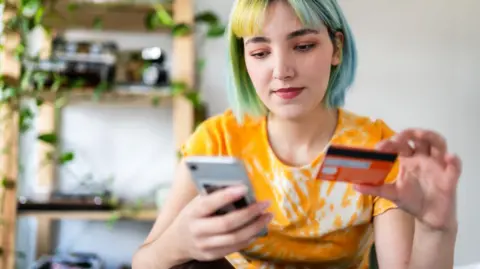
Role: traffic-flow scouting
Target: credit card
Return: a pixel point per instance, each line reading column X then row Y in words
column 356, row 165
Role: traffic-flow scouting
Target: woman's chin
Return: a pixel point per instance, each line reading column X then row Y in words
column 290, row 113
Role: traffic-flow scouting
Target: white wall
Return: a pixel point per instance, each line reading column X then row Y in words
column 419, row 66
column 419, row 63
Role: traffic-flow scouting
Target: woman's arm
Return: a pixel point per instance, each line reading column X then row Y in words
column 394, row 232
column 426, row 187
column 432, row 248
column 148, row 255
column 403, row 243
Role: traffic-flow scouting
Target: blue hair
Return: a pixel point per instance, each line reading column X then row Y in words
column 246, row 19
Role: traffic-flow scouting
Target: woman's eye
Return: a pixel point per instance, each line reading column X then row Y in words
column 305, row 47
column 260, row 55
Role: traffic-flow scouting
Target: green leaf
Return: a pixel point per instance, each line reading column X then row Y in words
column 179, row 87
column 66, row 157
column 156, row 101
column 39, row 78
column 39, row 101
column 8, row 93
column 58, row 81
column 99, row 90
column 25, row 119
column 13, row 23
column 60, row 102
column 113, row 219
column 201, row 63
column 163, row 16
column 72, row 7
column 151, row 21
column 29, row 8
column 8, row 183
column 78, row 83
column 50, row 138
column 208, row 17
column 39, row 15
column 97, row 23
column 181, row 29
column 216, row 30
column 19, row 51
column 193, row 97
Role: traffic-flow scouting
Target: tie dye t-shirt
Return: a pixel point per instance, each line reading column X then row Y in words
column 316, row 224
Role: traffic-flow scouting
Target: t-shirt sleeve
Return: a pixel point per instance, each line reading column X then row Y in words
column 381, row 205
column 203, row 141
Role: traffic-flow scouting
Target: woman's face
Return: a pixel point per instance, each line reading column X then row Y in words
column 290, row 65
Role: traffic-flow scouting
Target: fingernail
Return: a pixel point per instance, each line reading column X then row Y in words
column 264, row 205
column 239, row 190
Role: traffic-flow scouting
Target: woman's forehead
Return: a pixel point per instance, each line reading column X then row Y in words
column 272, row 18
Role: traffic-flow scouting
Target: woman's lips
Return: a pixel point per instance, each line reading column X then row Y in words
column 288, row 93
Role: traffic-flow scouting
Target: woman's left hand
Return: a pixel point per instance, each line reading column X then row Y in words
column 427, row 181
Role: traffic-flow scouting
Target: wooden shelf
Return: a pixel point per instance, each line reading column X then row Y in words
column 120, row 96
column 125, row 16
column 104, row 215
column 121, row 15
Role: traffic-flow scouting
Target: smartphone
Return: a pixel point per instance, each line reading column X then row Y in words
column 212, row 173
column 356, row 165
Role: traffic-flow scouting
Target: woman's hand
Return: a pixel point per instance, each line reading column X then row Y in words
column 203, row 236
column 427, row 181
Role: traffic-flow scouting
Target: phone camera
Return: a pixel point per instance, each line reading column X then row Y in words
column 193, row 167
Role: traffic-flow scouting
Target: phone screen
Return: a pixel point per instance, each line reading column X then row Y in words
column 209, row 188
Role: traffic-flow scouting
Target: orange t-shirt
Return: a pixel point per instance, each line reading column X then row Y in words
column 316, row 224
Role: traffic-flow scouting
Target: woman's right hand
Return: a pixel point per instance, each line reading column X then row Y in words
column 203, row 236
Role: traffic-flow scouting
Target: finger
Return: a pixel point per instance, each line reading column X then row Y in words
column 424, row 140
column 421, row 146
column 387, row 191
column 454, row 166
column 239, row 237
column 435, row 140
column 209, row 204
column 225, row 251
column 397, row 145
column 431, row 144
column 231, row 221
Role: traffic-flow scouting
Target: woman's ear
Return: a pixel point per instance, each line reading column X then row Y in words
column 338, row 42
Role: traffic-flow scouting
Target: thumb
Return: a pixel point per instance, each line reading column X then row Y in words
column 387, row 191
column 454, row 167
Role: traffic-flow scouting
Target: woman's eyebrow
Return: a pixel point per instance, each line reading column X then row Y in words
column 296, row 33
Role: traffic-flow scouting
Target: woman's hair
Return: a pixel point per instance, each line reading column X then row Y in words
column 246, row 19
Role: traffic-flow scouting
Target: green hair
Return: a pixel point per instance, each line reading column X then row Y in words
column 246, row 19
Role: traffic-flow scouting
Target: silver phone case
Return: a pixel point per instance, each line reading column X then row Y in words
column 220, row 171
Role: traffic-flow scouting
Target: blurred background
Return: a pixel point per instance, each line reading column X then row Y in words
column 116, row 138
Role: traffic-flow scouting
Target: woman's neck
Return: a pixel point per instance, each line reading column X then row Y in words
column 298, row 141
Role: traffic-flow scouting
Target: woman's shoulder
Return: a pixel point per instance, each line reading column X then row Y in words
column 225, row 124
column 217, row 134
column 356, row 124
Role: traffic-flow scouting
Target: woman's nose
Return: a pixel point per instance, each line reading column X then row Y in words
column 283, row 69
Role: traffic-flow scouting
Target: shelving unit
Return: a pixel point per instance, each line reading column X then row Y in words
column 145, row 215
column 123, row 18
column 118, row 97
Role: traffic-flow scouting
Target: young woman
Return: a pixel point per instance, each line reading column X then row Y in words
column 291, row 63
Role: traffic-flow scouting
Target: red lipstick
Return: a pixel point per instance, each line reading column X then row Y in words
column 288, row 93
